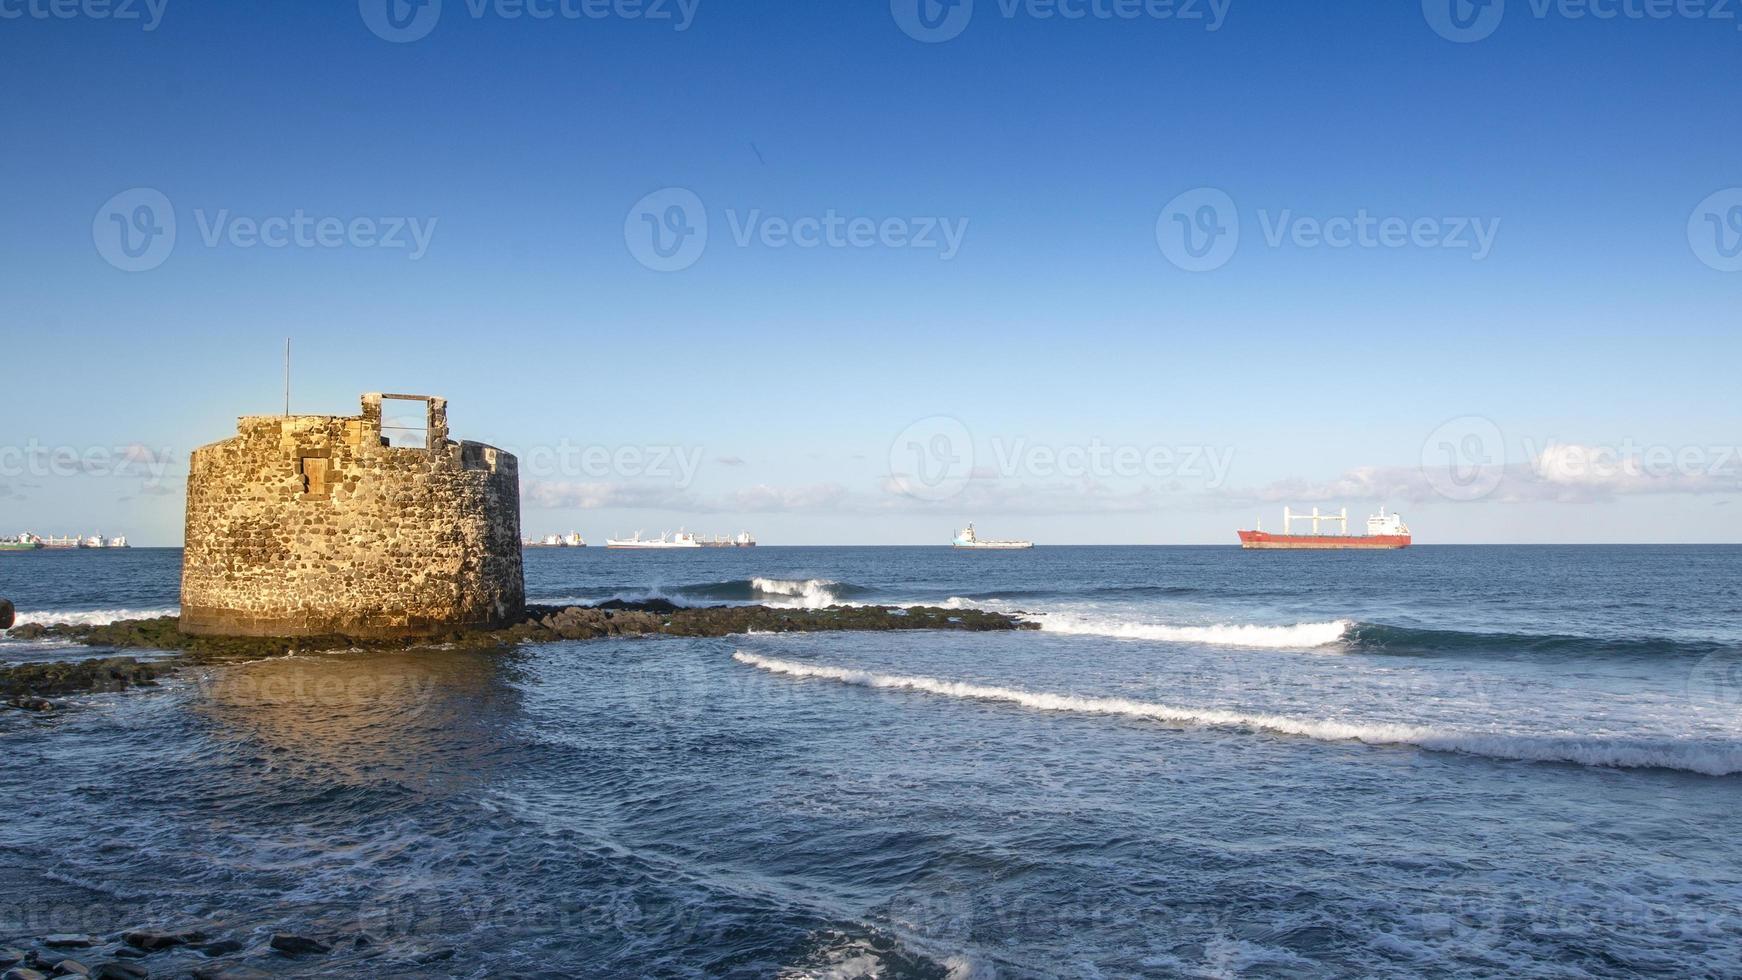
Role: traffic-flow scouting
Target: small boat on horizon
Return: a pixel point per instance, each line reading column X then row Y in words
column 968, row 540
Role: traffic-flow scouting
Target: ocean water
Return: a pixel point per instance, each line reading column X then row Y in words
column 1505, row 761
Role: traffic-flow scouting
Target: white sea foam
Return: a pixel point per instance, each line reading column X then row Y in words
column 810, row 593
column 1296, row 636
column 1711, row 759
column 90, row 617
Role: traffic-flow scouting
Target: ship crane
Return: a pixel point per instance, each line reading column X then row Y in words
column 1289, row 517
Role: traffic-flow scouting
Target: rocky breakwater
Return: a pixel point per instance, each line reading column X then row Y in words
column 29, row 685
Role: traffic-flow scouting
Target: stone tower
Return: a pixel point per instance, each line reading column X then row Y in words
column 309, row 525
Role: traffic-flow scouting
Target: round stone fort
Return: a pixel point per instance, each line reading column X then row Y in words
column 318, row 525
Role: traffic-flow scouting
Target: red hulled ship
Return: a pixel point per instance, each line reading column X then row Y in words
column 1384, row 532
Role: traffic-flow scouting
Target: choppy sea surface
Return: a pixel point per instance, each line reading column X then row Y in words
column 1502, row 761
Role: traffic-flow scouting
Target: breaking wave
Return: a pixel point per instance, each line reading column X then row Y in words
column 1296, row 636
column 814, row 593
column 90, row 617
column 1710, row 759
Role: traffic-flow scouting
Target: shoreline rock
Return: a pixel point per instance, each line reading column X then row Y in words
column 25, row 685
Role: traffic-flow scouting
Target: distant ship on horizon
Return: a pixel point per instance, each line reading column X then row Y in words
column 34, row 542
column 681, row 539
column 968, row 540
column 572, row 539
column 1384, row 532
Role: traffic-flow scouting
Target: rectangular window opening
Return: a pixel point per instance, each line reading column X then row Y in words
column 405, row 422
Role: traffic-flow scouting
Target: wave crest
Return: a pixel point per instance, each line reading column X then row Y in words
column 1295, row 636
column 1715, row 759
column 90, row 617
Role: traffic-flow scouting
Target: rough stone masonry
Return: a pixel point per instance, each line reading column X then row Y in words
column 318, row 525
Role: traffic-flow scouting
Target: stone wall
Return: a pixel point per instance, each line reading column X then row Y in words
column 305, row 525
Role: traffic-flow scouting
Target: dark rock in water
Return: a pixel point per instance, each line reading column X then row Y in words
column 543, row 624
column 25, row 702
column 292, row 945
column 70, row 967
column 68, row 940
column 152, row 940
column 129, row 953
column 109, row 674
column 23, row 973
column 362, row 941
column 120, row 970
column 437, row 956
column 222, row 947
column 8, row 614
column 645, row 605
column 11, row 958
column 228, row 972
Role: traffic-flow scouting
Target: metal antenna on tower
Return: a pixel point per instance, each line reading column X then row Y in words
column 287, row 376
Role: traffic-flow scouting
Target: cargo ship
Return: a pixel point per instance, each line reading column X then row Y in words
column 1384, row 532
column 967, row 540
column 572, row 539
column 635, row 542
column 741, row 540
column 33, row 542
column 682, row 539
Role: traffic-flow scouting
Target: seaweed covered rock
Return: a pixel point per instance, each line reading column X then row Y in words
column 24, row 684
column 542, row 624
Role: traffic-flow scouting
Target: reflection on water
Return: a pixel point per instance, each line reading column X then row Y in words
column 425, row 722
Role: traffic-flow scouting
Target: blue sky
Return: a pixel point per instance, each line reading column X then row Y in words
column 1578, row 360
